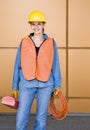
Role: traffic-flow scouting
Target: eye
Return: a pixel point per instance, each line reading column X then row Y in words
column 32, row 24
column 39, row 23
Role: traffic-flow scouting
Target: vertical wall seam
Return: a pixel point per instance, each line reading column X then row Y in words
column 67, row 49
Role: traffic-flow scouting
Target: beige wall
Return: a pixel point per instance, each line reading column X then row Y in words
column 68, row 21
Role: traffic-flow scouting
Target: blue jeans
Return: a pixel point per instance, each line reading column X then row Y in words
column 26, row 98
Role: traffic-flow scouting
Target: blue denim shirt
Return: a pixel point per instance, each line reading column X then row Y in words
column 55, row 76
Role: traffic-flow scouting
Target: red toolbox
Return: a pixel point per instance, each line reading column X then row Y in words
column 10, row 102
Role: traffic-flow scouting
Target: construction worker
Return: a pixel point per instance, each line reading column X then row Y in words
column 36, row 73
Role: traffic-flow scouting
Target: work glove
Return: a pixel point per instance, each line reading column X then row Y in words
column 14, row 94
column 56, row 92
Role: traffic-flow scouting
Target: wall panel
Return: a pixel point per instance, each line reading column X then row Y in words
column 62, row 59
column 79, row 23
column 5, row 109
column 14, row 26
column 79, row 105
column 7, row 59
column 79, row 73
column 78, row 56
column 14, row 15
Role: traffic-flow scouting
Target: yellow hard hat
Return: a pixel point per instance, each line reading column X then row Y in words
column 36, row 16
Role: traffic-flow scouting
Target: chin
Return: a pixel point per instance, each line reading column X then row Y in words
column 38, row 32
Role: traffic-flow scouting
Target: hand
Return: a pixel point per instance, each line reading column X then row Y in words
column 56, row 92
column 14, row 94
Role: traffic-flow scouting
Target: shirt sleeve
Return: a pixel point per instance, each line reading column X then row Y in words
column 16, row 75
column 56, row 68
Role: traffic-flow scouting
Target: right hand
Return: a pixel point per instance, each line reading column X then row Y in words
column 14, row 94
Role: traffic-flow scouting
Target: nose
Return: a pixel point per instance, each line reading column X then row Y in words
column 36, row 25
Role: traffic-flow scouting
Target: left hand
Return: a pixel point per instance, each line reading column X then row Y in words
column 56, row 92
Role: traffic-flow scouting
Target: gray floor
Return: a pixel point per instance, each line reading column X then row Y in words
column 7, row 122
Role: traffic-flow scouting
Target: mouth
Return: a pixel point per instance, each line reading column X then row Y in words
column 36, row 30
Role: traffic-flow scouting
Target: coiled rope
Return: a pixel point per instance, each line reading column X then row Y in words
column 62, row 113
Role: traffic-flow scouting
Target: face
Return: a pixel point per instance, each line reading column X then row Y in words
column 37, row 27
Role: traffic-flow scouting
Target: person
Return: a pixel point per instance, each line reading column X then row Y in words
column 36, row 73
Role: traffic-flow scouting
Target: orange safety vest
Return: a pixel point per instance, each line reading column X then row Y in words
column 37, row 66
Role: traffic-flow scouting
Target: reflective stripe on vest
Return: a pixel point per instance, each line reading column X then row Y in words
column 37, row 66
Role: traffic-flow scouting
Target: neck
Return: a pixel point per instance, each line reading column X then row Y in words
column 38, row 39
column 38, row 36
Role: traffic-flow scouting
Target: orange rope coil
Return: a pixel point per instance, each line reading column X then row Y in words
column 62, row 113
